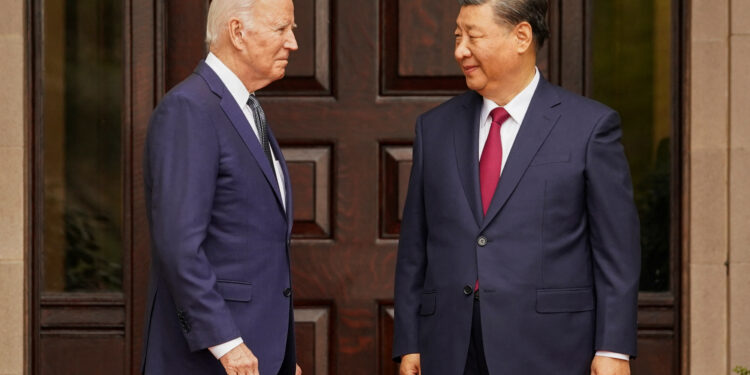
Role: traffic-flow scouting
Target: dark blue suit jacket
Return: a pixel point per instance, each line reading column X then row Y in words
column 560, row 266
column 220, row 235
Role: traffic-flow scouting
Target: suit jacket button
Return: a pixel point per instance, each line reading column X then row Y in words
column 482, row 241
column 287, row 292
column 468, row 290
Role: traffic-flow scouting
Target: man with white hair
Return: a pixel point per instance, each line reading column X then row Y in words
column 219, row 205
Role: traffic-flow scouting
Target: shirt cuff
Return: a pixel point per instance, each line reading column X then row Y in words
column 623, row 357
column 219, row 350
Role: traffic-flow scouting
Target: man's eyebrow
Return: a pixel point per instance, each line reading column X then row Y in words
column 467, row 26
column 282, row 24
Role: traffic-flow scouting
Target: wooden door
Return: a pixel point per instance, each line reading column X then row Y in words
column 344, row 116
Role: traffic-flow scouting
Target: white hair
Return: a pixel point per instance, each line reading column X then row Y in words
column 219, row 14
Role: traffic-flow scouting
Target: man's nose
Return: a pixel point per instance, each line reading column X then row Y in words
column 291, row 42
column 461, row 51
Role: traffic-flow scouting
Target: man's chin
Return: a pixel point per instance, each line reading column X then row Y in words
column 278, row 76
column 474, row 85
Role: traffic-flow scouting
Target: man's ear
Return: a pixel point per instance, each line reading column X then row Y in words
column 236, row 33
column 524, row 37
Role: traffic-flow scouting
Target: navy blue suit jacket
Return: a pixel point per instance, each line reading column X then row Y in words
column 559, row 257
column 220, row 235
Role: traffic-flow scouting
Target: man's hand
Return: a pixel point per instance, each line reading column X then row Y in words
column 240, row 361
column 609, row 366
column 299, row 370
column 410, row 365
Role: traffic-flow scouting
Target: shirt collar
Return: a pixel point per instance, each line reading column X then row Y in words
column 229, row 79
column 517, row 107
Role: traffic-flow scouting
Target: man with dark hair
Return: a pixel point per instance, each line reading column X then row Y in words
column 520, row 248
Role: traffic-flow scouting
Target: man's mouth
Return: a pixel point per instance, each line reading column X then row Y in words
column 468, row 69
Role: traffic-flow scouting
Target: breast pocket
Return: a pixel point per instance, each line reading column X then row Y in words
column 551, row 158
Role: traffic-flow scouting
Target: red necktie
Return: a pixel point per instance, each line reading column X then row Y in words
column 491, row 161
column 492, row 158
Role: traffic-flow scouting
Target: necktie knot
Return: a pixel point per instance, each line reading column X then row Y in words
column 499, row 115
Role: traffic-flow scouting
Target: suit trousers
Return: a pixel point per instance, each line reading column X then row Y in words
column 476, row 364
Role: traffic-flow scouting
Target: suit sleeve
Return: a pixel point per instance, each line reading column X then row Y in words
column 412, row 258
column 614, row 238
column 182, row 167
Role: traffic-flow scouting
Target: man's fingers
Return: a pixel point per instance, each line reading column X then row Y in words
column 251, row 367
column 240, row 361
column 298, row 371
column 409, row 369
column 410, row 365
column 609, row 366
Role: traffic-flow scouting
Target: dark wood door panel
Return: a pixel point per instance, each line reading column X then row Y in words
column 82, row 353
column 183, row 38
column 314, row 335
column 310, row 169
column 310, row 71
column 344, row 116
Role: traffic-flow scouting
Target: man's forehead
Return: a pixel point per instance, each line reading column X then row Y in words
column 275, row 14
column 471, row 16
column 469, row 24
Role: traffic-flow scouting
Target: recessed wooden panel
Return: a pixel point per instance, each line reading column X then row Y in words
column 386, row 366
column 309, row 71
column 656, row 353
column 302, row 61
column 396, row 162
column 415, row 60
column 656, row 317
column 310, row 172
column 82, row 316
column 82, row 354
column 426, row 38
column 312, row 329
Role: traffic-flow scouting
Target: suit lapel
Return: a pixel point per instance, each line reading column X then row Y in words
column 539, row 120
column 240, row 123
column 287, row 182
column 467, row 159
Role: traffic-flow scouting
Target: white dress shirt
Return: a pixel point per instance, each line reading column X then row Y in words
column 516, row 108
column 241, row 95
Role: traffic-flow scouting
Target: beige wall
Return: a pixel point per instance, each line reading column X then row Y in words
column 718, row 184
column 739, row 184
column 12, row 206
